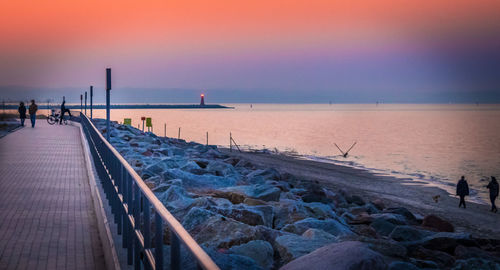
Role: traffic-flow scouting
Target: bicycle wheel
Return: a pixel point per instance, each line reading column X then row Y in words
column 51, row 120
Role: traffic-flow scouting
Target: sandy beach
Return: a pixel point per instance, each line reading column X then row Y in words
column 411, row 194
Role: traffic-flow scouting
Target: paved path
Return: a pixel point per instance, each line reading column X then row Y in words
column 47, row 219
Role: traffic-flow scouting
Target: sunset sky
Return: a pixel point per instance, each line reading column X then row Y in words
column 310, row 51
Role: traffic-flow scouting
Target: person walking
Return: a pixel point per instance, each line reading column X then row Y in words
column 32, row 110
column 462, row 190
column 22, row 112
column 64, row 110
column 493, row 187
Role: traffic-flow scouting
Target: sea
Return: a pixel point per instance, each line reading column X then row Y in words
column 433, row 144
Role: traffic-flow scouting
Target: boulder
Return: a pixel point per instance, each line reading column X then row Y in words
column 340, row 256
column 386, row 247
column 437, row 223
column 408, row 233
column 382, row 226
column 355, row 199
column 175, row 197
column 398, row 265
column 462, row 252
column 225, row 260
column 330, row 226
column 443, row 241
column 251, row 201
column 392, row 218
column 260, row 251
column 476, row 264
column 409, row 217
column 270, row 174
column 289, row 211
column 442, row 259
column 260, row 191
column 379, row 204
column 291, row 246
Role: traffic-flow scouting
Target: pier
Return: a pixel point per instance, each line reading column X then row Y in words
column 47, row 218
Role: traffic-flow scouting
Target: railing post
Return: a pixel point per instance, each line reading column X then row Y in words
column 131, row 233
column 137, row 226
column 175, row 258
column 158, row 242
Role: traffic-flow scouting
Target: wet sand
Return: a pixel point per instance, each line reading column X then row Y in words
column 412, row 194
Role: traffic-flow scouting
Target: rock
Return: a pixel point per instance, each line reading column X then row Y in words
column 175, row 198
column 220, row 168
column 234, row 197
column 408, row 233
column 270, row 173
column 355, row 199
column 147, row 153
column 330, row 226
column 462, row 252
column 379, row 204
column 424, row 264
column 443, row 241
column 344, row 255
column 197, row 216
column 193, row 181
column 251, row 201
column 392, row 218
column 386, row 247
column 364, row 218
column 290, row 211
column 259, row 191
column 382, row 226
column 402, row 266
column 222, row 232
column 437, row 223
column 260, row 251
column 476, row 264
column 442, row 259
column 409, row 217
column 364, row 230
column 228, row 261
column 251, row 215
column 291, row 246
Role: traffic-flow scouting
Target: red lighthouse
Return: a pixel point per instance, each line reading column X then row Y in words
column 202, row 102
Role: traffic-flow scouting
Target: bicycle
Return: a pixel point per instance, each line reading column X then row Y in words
column 55, row 117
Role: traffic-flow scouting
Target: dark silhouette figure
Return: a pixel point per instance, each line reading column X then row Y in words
column 63, row 111
column 32, row 110
column 493, row 187
column 22, row 113
column 462, row 190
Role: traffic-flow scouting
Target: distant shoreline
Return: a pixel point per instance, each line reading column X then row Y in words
column 132, row 106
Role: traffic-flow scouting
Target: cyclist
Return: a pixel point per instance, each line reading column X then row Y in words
column 63, row 111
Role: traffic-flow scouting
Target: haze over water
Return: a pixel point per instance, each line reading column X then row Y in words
column 433, row 143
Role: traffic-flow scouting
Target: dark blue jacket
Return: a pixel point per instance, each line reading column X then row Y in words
column 462, row 188
column 493, row 187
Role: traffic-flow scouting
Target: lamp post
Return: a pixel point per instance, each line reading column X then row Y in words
column 91, row 95
column 85, row 103
column 108, row 89
column 81, row 103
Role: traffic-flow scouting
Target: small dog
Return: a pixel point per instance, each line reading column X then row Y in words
column 436, row 198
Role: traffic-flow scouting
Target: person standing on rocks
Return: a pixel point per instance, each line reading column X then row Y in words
column 462, row 190
column 22, row 113
column 32, row 109
column 493, row 187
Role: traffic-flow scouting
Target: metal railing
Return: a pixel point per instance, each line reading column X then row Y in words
column 133, row 204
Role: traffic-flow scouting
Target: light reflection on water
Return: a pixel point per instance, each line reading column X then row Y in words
column 436, row 143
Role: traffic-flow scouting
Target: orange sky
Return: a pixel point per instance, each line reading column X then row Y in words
column 45, row 38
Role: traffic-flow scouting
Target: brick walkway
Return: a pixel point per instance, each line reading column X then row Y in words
column 47, row 219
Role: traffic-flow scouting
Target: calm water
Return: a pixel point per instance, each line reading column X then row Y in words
column 433, row 143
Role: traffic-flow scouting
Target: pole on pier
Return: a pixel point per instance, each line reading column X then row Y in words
column 143, row 119
column 165, row 130
column 81, row 103
column 91, row 95
column 179, row 134
column 85, row 102
column 108, row 89
column 207, row 137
